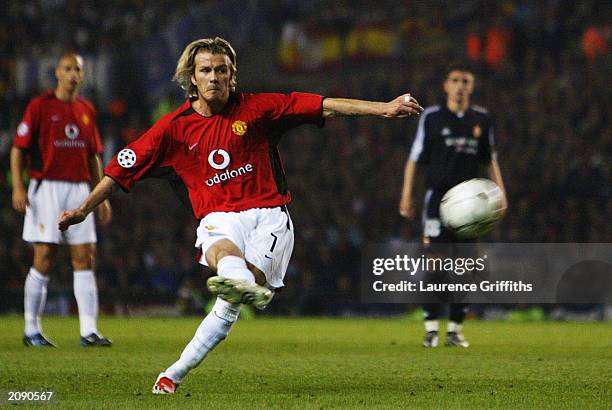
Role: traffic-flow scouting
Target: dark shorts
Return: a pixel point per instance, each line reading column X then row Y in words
column 433, row 229
column 440, row 242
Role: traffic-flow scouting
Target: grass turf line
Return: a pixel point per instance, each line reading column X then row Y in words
column 318, row 363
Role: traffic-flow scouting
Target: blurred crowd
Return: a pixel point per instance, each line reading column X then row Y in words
column 542, row 70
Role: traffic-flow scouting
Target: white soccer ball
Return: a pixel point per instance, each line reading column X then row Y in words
column 471, row 208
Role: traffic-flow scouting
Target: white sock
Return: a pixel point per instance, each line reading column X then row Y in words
column 234, row 267
column 34, row 299
column 432, row 325
column 213, row 329
column 86, row 295
column 453, row 327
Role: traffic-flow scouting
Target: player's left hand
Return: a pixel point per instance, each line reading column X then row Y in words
column 105, row 213
column 70, row 217
column 403, row 106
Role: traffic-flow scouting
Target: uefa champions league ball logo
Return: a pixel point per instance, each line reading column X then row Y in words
column 23, row 129
column 126, row 158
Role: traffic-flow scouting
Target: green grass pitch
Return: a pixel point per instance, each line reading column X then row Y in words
column 318, row 363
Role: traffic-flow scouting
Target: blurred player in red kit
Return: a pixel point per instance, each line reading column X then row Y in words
column 59, row 144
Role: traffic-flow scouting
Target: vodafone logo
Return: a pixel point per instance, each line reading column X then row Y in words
column 219, row 159
column 72, row 133
column 213, row 157
column 71, row 130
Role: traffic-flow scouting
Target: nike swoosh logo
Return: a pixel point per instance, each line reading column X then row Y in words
column 267, row 256
column 192, row 146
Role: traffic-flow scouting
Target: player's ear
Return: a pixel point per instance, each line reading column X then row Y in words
column 445, row 86
column 193, row 80
column 471, row 84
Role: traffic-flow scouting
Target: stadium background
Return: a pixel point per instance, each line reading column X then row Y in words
column 543, row 70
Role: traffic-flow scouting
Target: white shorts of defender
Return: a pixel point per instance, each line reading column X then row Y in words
column 263, row 235
column 47, row 201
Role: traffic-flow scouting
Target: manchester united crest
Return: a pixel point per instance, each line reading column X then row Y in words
column 239, row 128
column 477, row 131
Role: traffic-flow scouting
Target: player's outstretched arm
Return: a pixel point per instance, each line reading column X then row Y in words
column 400, row 107
column 100, row 193
column 105, row 212
column 406, row 205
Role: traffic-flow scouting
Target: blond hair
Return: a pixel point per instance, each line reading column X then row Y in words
column 185, row 68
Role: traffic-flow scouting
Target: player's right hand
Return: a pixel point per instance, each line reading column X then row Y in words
column 70, row 217
column 403, row 106
column 20, row 200
column 406, row 208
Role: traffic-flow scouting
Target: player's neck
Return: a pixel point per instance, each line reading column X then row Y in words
column 208, row 108
column 456, row 106
column 66, row 95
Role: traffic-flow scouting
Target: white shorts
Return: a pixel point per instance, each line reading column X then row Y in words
column 263, row 235
column 47, row 201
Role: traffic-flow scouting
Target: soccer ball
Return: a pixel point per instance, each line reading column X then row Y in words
column 471, row 208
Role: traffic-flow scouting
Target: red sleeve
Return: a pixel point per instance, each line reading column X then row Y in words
column 302, row 107
column 138, row 157
column 96, row 145
column 28, row 126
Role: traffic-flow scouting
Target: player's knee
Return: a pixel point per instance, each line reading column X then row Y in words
column 43, row 257
column 84, row 262
column 83, row 257
column 43, row 267
column 220, row 250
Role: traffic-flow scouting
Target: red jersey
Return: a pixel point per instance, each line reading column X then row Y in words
column 227, row 162
column 59, row 137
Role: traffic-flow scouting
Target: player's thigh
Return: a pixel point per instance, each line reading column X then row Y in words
column 40, row 221
column 221, row 229
column 260, row 277
column 71, row 196
column 270, row 245
column 433, row 229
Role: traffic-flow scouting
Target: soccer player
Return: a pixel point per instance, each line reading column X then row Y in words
column 59, row 143
column 219, row 148
column 454, row 140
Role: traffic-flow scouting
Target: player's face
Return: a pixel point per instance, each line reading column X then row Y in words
column 459, row 85
column 69, row 72
column 212, row 76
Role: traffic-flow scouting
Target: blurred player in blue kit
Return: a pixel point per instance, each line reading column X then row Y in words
column 455, row 141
